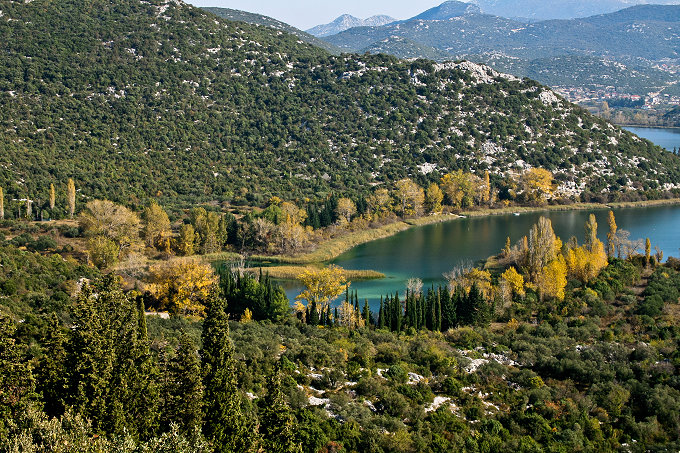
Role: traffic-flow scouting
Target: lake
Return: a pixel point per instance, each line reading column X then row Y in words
column 429, row 251
column 668, row 138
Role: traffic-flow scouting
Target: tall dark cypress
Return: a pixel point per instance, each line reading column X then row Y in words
column 184, row 389
column 438, row 312
column 276, row 419
column 381, row 314
column 52, row 376
column 367, row 313
column 223, row 422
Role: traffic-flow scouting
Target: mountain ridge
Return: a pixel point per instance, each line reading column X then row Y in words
column 347, row 21
column 158, row 99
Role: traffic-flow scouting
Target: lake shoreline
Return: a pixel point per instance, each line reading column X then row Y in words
column 333, row 248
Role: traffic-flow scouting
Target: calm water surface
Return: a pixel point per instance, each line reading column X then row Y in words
column 668, row 138
column 428, row 252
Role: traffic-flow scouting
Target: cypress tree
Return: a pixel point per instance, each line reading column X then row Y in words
column 381, row 315
column 313, row 315
column 438, row 312
column 52, row 373
column 184, row 389
column 367, row 312
column 17, row 386
column 223, row 423
column 398, row 315
column 276, row 420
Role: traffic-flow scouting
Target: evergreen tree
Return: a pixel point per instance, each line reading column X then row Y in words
column 313, row 319
column 17, row 386
column 276, row 419
column 52, row 373
column 437, row 313
column 223, row 422
column 367, row 312
column 381, row 315
column 184, row 389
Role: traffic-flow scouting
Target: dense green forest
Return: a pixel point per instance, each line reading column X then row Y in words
column 484, row 367
column 135, row 100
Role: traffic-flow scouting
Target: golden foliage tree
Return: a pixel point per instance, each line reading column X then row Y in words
column 102, row 252
column 611, row 235
column 537, row 184
column 322, row 286
column 513, row 281
column 71, row 197
column 349, row 316
column 591, row 232
column 345, row 209
column 585, row 263
column 478, row 277
column 2, row 204
column 433, row 199
column 648, row 251
column 459, row 188
column 185, row 242
column 379, row 202
column 181, row 286
column 486, row 189
column 552, row 279
column 53, row 197
column 411, row 197
column 292, row 235
column 156, row 229
column 543, row 247
column 110, row 220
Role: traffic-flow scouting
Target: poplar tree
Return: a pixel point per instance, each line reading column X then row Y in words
column 53, row 198
column 71, row 196
column 648, row 251
column 591, row 232
column 276, row 420
column 611, row 235
column 223, row 422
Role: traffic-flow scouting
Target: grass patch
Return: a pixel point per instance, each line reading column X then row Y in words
column 291, row 272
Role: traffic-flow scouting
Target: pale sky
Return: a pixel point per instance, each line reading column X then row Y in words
column 305, row 14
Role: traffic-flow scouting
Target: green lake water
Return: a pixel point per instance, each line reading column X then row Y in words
column 428, row 252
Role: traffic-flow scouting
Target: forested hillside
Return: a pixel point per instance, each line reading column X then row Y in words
column 160, row 99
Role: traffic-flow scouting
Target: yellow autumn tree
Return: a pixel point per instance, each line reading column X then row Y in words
column 349, row 316
column 156, row 230
column 71, row 196
column 611, row 235
column 513, row 281
column 292, row 235
column 552, row 279
column 379, row 202
column 345, row 210
column 411, row 197
column 181, row 286
column 537, row 184
column 585, row 264
column 478, row 277
column 322, row 286
column 458, row 188
column 433, row 199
